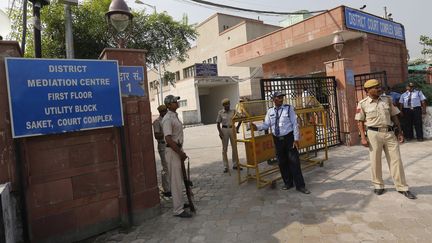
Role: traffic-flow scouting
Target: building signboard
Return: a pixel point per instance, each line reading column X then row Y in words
column 358, row 20
column 205, row 69
column 132, row 80
column 58, row 95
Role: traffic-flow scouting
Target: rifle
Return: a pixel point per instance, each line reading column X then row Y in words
column 186, row 180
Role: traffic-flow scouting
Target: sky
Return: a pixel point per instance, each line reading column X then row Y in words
column 413, row 14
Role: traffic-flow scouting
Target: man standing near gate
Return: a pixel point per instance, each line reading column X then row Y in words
column 413, row 103
column 224, row 118
column 173, row 131
column 378, row 114
column 282, row 120
column 159, row 135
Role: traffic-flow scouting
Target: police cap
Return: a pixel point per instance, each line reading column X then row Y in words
column 371, row 83
column 162, row 108
column 277, row 94
column 171, row 99
column 225, row 101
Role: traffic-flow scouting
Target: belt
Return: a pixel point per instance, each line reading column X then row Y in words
column 178, row 145
column 412, row 108
column 280, row 138
column 226, row 126
column 381, row 129
column 161, row 142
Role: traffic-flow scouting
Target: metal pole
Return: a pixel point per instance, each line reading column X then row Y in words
column 385, row 13
column 69, row 36
column 37, row 29
column 161, row 83
column 24, row 26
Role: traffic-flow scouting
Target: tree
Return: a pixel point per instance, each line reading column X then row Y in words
column 427, row 45
column 163, row 38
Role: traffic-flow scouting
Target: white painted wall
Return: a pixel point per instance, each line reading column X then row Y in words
column 210, row 100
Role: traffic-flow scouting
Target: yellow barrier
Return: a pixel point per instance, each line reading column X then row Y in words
column 259, row 147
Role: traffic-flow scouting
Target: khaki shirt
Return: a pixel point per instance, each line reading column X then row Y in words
column 157, row 128
column 225, row 117
column 376, row 113
column 172, row 126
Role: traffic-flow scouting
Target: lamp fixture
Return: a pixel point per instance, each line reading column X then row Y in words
column 119, row 15
column 338, row 43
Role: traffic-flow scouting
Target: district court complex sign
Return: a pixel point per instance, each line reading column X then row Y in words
column 55, row 95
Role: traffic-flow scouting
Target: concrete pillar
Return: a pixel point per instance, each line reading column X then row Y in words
column 138, row 139
column 342, row 69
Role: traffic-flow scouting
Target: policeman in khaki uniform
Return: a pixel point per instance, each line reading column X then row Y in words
column 378, row 114
column 224, row 117
column 158, row 134
column 173, row 131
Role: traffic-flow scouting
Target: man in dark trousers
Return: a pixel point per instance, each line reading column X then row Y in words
column 282, row 120
column 413, row 104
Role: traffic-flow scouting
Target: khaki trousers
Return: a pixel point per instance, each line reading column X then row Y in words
column 228, row 135
column 387, row 141
column 164, row 171
column 176, row 178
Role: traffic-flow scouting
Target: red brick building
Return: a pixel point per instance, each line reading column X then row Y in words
column 303, row 48
column 371, row 44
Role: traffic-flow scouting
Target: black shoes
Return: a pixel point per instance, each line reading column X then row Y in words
column 303, row 190
column 184, row 214
column 225, row 170
column 420, row 139
column 235, row 168
column 286, row 187
column 408, row 194
column 379, row 191
column 166, row 194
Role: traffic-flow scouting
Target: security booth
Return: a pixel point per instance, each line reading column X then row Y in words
column 259, row 146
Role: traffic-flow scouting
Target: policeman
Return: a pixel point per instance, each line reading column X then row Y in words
column 159, row 136
column 225, row 117
column 173, row 131
column 378, row 114
column 413, row 103
column 283, row 122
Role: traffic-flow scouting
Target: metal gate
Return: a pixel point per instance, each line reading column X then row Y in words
column 324, row 90
column 360, row 79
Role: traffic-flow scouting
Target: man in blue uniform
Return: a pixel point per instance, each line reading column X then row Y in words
column 282, row 120
column 413, row 103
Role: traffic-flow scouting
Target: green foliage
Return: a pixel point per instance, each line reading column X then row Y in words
column 427, row 44
column 417, row 62
column 162, row 37
column 169, row 77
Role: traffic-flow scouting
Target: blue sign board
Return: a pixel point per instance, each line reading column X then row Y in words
column 358, row 20
column 55, row 95
column 132, row 80
column 205, row 69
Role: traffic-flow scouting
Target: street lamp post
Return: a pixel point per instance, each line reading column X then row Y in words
column 159, row 66
column 119, row 16
column 37, row 5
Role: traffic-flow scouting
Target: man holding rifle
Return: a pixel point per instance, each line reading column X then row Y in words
column 175, row 156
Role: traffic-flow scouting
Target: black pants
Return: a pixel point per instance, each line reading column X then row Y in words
column 413, row 118
column 289, row 161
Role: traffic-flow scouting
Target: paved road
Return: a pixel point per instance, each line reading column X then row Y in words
column 341, row 208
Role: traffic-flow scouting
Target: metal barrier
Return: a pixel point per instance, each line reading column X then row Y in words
column 259, row 146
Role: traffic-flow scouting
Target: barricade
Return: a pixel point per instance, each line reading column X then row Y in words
column 259, row 146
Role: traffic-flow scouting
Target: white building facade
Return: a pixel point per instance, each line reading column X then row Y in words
column 201, row 92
